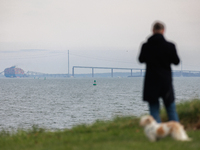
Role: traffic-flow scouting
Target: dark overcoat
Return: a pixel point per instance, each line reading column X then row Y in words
column 158, row 54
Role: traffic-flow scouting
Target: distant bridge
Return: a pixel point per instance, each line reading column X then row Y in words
column 110, row 68
column 178, row 73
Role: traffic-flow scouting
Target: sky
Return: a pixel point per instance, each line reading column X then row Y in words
column 35, row 35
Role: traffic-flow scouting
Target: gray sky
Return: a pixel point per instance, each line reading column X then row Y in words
column 35, row 35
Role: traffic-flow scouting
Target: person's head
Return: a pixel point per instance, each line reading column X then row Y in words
column 158, row 27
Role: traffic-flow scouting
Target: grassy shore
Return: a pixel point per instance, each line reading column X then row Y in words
column 122, row 133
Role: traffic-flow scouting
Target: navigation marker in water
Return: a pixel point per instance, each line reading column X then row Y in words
column 94, row 82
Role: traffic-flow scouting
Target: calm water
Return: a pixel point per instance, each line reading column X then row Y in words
column 63, row 103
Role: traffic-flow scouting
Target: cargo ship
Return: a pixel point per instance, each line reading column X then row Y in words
column 14, row 72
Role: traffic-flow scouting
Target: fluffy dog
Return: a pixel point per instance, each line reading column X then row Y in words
column 155, row 131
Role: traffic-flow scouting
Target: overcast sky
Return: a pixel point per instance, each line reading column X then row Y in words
column 36, row 35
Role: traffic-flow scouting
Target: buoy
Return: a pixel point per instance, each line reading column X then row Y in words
column 95, row 82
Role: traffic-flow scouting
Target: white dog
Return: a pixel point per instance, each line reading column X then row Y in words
column 155, row 131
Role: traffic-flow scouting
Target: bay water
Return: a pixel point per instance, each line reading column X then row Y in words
column 63, row 103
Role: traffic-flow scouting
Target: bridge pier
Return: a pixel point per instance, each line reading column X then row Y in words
column 72, row 71
column 92, row 72
column 112, row 72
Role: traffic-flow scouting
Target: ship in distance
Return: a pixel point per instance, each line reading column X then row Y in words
column 14, row 72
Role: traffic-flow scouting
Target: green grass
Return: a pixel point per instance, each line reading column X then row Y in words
column 122, row 133
column 189, row 114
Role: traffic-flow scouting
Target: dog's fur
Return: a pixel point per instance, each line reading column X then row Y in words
column 155, row 131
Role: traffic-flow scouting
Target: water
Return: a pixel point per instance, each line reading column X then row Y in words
column 63, row 103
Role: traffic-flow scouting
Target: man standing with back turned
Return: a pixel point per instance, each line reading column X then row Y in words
column 159, row 54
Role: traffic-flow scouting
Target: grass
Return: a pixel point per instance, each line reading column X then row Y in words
column 189, row 114
column 122, row 133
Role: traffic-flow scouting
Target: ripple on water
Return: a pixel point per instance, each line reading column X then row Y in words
column 63, row 103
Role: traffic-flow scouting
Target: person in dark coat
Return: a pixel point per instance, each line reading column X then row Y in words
column 158, row 55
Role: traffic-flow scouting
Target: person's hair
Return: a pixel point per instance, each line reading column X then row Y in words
column 158, row 26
